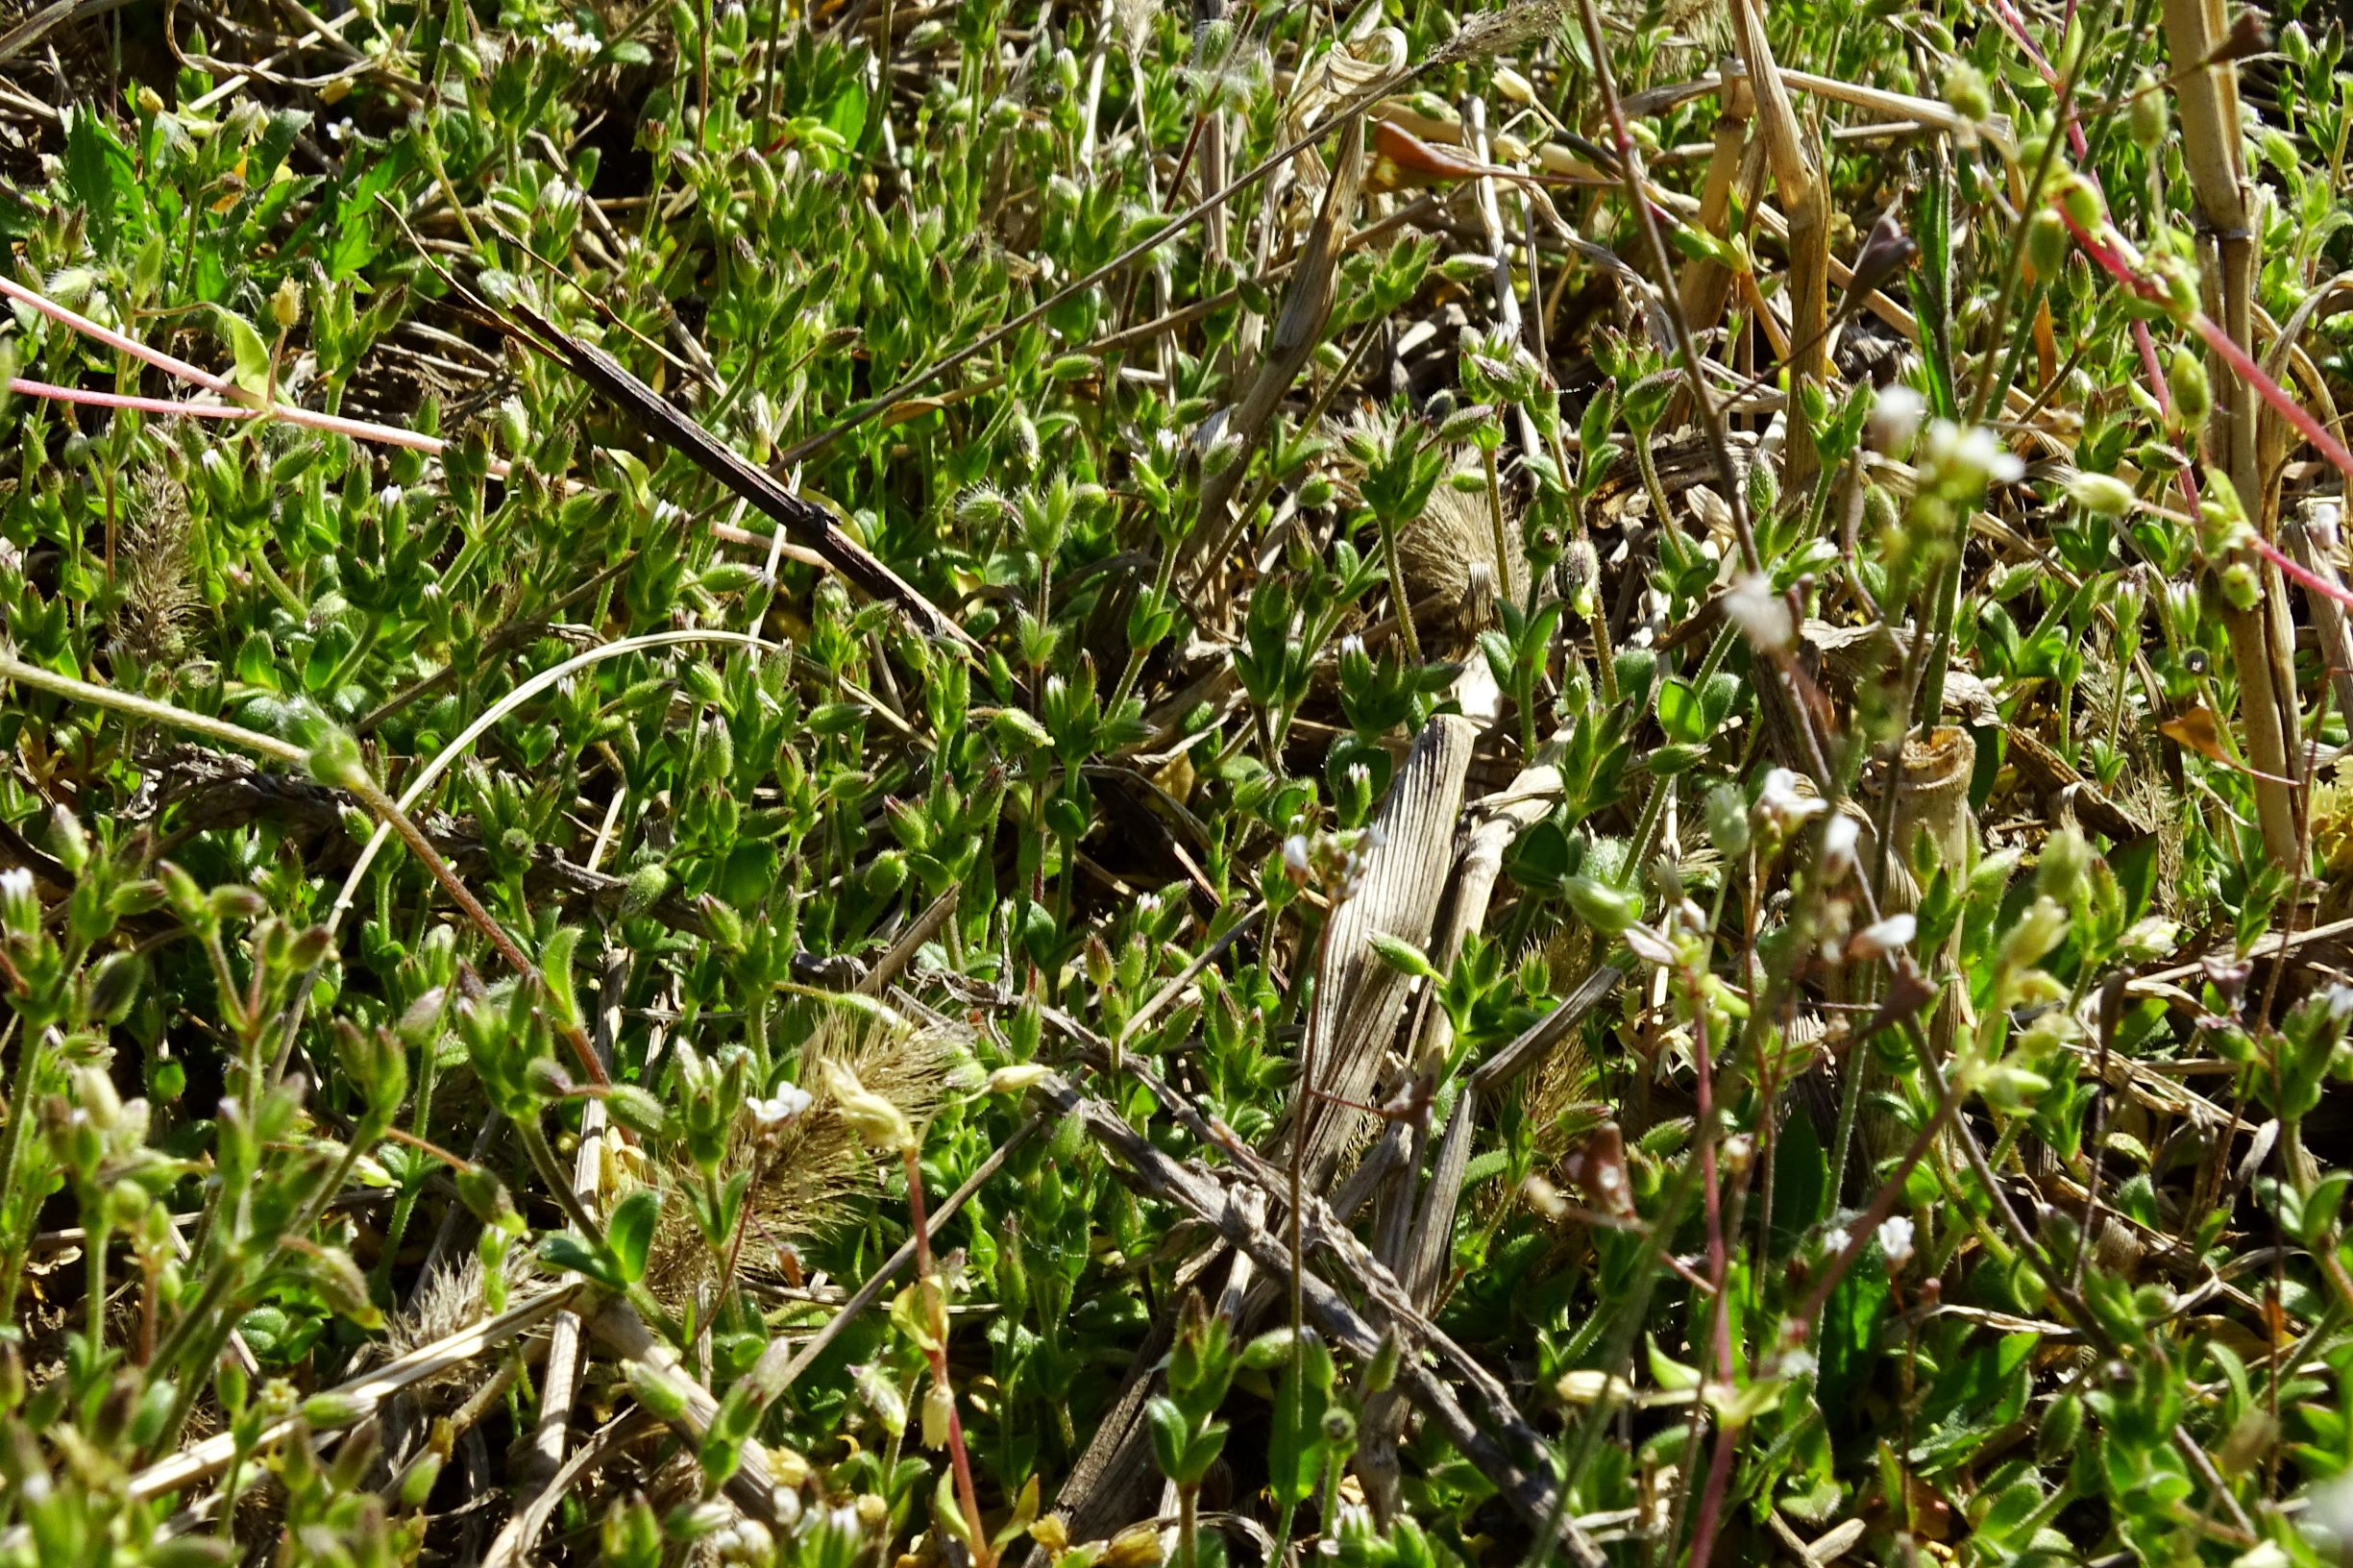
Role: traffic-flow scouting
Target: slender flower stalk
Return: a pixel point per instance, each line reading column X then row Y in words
column 358, row 429
column 935, row 1314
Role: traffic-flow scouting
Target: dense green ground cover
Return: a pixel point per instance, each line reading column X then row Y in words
column 1519, row 874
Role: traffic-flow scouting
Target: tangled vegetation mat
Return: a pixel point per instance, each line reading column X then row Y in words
column 885, row 783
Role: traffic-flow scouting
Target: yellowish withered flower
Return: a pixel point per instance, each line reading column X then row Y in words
column 1018, row 1078
column 881, row 1124
column 939, row 1404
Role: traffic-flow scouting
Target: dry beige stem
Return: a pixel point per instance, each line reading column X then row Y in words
column 1805, row 199
column 1932, row 801
column 2262, row 639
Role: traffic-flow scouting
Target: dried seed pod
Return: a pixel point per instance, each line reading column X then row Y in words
column 1449, row 553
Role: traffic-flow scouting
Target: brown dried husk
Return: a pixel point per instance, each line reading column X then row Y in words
column 804, row 1175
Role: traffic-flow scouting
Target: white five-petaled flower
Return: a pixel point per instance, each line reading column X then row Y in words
column 1973, row 456
column 1781, row 805
column 1895, row 1240
column 1895, row 419
column 1839, row 837
column 772, row 1113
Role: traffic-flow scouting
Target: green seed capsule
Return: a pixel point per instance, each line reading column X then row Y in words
column 2047, row 242
column 2062, row 1425
column 2192, row 392
column 2148, row 117
column 1968, row 92
column 2081, row 202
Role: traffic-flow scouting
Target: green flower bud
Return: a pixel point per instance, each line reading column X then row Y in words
column 2061, row 1425
column 2102, row 495
column 2047, row 243
column 1968, row 92
column 2192, row 392
column 335, row 760
column 2148, row 117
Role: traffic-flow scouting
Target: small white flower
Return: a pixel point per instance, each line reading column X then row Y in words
column 1884, row 937
column 1780, row 803
column 1970, row 459
column 1895, row 419
column 573, row 43
column 2329, row 1522
column 1839, row 838
column 771, row 1114
column 2323, row 520
column 1761, row 614
column 1895, row 1240
column 20, row 911
column 1295, row 858
column 390, row 496
column 1798, row 1363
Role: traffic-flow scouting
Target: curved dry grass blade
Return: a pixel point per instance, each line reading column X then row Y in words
column 1461, row 1398
column 1300, row 328
column 1805, row 201
column 349, row 1402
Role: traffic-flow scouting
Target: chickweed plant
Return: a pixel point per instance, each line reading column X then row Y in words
column 904, row 783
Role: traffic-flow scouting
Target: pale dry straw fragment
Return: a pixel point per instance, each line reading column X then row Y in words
column 159, row 602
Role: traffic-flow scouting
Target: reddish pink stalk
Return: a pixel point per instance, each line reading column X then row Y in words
column 2211, row 333
column 113, row 339
column 2016, row 26
column 124, row 399
column 358, row 429
column 1720, row 1463
column 2272, row 393
column 935, row 1322
column 2290, row 567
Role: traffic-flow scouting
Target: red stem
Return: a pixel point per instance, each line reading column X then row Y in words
column 2290, row 567
column 936, row 1323
column 1719, row 1463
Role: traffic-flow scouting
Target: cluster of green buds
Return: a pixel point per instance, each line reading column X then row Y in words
column 715, row 1092
column 2223, row 535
